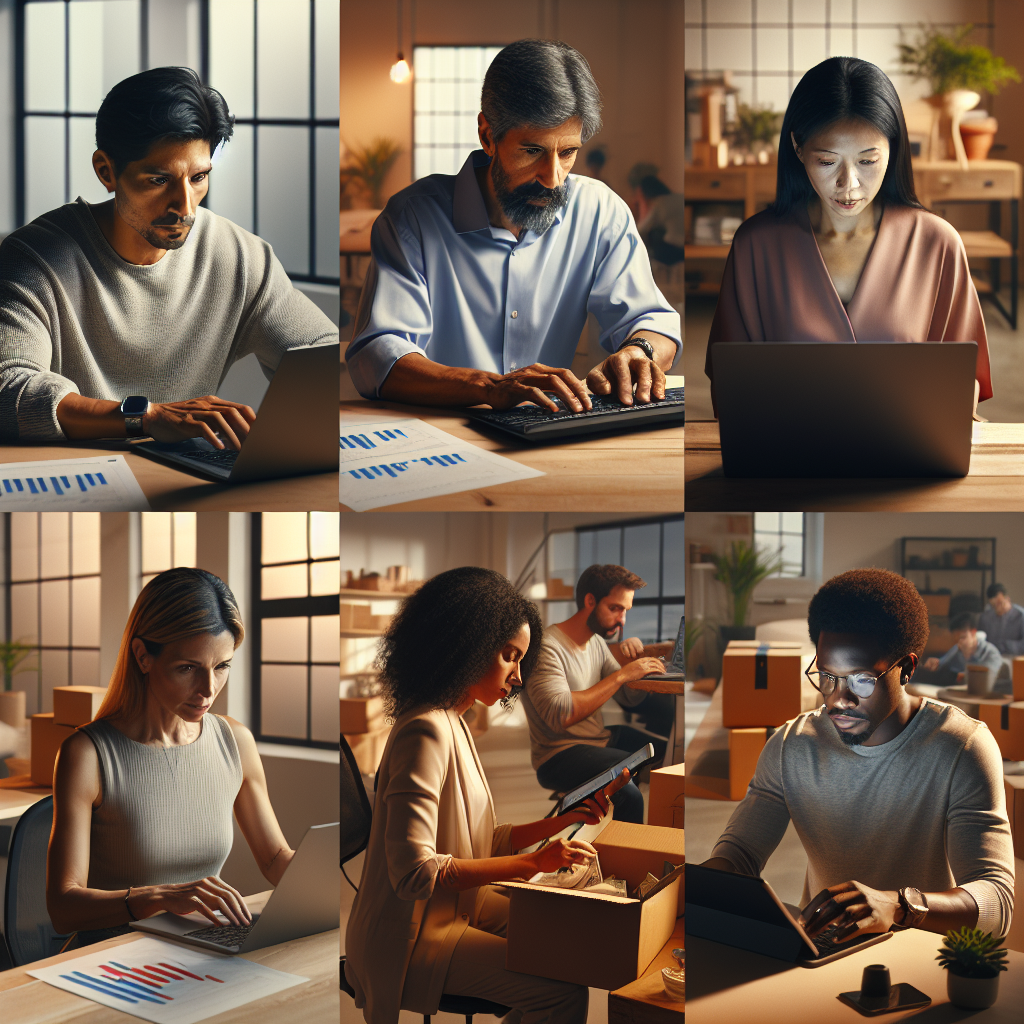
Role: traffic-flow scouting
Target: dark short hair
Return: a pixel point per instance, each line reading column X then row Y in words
column 834, row 90
column 965, row 620
column 445, row 636
column 540, row 83
column 993, row 589
column 638, row 172
column 873, row 602
column 601, row 580
column 596, row 158
column 162, row 103
column 652, row 186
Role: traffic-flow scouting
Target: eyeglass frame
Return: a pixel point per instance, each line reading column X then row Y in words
column 845, row 679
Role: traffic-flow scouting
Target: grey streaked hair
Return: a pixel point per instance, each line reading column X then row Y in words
column 540, row 83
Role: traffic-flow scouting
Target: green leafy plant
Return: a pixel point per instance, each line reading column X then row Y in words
column 691, row 634
column 369, row 166
column 756, row 124
column 12, row 654
column 949, row 62
column 741, row 570
column 972, row 953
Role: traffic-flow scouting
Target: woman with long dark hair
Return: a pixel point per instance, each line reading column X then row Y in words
column 846, row 252
column 425, row 920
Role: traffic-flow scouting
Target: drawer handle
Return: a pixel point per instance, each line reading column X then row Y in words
column 715, row 184
column 989, row 184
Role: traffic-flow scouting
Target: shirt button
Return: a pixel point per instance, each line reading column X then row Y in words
column 514, row 367
column 515, row 313
column 465, row 917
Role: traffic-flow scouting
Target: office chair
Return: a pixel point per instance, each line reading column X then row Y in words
column 27, row 928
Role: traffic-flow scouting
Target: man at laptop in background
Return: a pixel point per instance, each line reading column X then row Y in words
column 480, row 282
column 898, row 800
column 1003, row 622
column 971, row 648
column 122, row 318
column 575, row 674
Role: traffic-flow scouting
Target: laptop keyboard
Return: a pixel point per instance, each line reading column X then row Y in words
column 224, row 457
column 223, row 934
column 826, row 943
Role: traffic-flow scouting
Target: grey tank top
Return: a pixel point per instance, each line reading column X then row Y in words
column 165, row 812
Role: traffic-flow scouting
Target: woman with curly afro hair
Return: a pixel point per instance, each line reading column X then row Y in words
column 426, row 919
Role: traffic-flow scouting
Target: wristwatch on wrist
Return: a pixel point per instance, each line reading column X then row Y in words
column 644, row 346
column 915, row 908
column 133, row 408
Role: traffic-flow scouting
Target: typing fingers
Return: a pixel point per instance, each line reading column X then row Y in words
column 598, row 382
column 622, row 386
column 219, row 426
column 232, row 896
column 657, row 382
column 640, row 371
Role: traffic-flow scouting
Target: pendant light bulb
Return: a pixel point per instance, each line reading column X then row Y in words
column 400, row 70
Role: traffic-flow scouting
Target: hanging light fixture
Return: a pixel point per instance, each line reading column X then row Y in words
column 400, row 70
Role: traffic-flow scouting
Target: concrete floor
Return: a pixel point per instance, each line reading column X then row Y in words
column 1006, row 350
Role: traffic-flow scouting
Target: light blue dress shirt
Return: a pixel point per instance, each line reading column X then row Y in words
column 445, row 282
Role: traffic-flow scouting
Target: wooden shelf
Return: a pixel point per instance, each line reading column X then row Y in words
column 353, row 634
column 371, row 595
column 707, row 252
column 985, row 244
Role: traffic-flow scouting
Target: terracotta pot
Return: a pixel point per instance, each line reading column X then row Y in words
column 12, row 708
column 972, row 993
column 978, row 137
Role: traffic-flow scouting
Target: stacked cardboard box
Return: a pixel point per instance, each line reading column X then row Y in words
column 665, row 801
column 1006, row 723
column 763, row 684
column 1018, row 678
column 1014, row 785
column 72, row 706
column 358, row 616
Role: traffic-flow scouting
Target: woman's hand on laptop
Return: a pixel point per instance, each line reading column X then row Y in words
column 203, row 897
column 853, row 907
column 224, row 424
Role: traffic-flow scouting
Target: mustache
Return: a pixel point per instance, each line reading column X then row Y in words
column 535, row 190
column 847, row 714
column 172, row 219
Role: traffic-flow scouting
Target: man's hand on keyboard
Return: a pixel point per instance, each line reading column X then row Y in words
column 222, row 423
column 854, row 907
column 529, row 383
column 621, row 370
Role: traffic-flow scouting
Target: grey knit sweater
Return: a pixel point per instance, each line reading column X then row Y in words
column 927, row 809
column 75, row 317
column 165, row 813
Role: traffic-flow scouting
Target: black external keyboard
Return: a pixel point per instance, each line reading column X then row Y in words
column 223, row 934
column 218, row 457
column 826, row 943
column 531, row 422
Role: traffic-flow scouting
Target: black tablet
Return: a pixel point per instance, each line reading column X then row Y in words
column 634, row 762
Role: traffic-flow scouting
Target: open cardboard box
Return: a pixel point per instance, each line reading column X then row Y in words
column 595, row 940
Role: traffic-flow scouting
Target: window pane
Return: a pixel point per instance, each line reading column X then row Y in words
column 44, row 57
column 674, row 564
column 82, row 178
column 643, row 622
column 44, row 161
column 231, row 179
column 670, row 616
column 54, row 597
column 25, row 612
column 324, row 638
column 283, row 700
column 28, row 683
column 231, row 54
column 282, row 56
column 324, row 578
column 85, row 612
column 793, row 522
column 286, row 639
column 642, row 555
column 766, row 522
column 184, row 524
column 54, row 550
column 284, row 581
column 284, row 537
column 327, row 29
column 586, row 550
column 792, row 556
column 54, row 673
column 609, row 548
column 283, row 194
column 85, row 668
column 156, row 541
column 24, row 545
column 104, row 49
column 327, row 145
column 85, row 543
column 324, row 691
column 323, row 534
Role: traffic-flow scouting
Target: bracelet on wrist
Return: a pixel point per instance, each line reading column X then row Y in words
column 126, row 906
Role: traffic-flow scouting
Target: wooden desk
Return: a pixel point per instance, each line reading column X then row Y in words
column 645, row 1001
column 170, row 490
column 639, row 473
column 15, row 802
column 25, row 1000
column 726, row 985
column 995, row 482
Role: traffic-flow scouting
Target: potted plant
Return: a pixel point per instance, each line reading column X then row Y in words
column 368, row 167
column 691, row 634
column 756, row 129
column 12, row 702
column 973, row 960
column 741, row 570
column 957, row 72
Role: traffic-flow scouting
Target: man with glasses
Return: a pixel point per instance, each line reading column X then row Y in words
column 898, row 800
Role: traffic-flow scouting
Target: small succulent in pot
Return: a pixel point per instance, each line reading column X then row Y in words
column 973, row 960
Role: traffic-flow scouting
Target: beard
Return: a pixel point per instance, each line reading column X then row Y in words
column 594, row 625
column 161, row 241
column 856, row 739
column 515, row 202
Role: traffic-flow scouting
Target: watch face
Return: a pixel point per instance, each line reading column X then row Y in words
column 134, row 405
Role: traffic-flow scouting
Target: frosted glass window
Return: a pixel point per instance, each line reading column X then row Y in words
column 85, row 612
column 282, row 59
column 44, row 56
column 44, row 165
column 286, row 639
column 282, row 194
column 25, row 612
column 82, row 180
column 85, row 543
column 324, row 578
column 670, row 616
column 324, row 539
column 642, row 555
column 284, row 701
column 231, row 53
column 324, row 690
column 24, row 545
column 781, row 533
column 231, row 181
column 673, row 565
column 326, row 55
column 327, row 147
column 284, row 536
column 323, row 639
column 55, row 544
column 168, row 540
column 55, row 621
column 642, row 621
column 85, row 669
column 105, row 40
column 55, row 670
column 286, row 581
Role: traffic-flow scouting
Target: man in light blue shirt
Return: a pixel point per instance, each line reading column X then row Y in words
column 1003, row 622
column 971, row 648
column 481, row 282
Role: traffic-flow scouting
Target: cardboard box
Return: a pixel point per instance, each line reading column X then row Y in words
column 764, row 684
column 1006, row 723
column 939, row 641
column 745, row 746
column 1018, row 678
column 77, row 705
column 47, row 736
column 361, row 714
column 593, row 940
column 665, row 801
column 1014, row 785
column 937, row 604
column 368, row 748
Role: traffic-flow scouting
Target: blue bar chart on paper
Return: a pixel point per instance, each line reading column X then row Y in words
column 93, row 484
column 385, row 462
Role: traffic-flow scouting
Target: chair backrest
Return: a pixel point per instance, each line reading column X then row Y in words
column 30, row 936
column 355, row 807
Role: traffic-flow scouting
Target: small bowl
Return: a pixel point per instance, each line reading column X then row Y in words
column 675, row 983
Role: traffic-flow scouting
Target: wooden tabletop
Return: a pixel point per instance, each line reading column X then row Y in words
column 645, row 1001
column 169, row 489
column 995, row 482
column 725, row 985
column 640, row 473
column 15, row 802
column 25, row 1000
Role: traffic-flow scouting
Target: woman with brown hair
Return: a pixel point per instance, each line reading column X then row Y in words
column 143, row 794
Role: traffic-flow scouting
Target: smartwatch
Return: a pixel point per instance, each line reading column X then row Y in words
column 915, row 908
column 644, row 346
column 133, row 409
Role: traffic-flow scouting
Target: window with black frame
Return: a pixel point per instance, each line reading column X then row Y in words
column 276, row 63
column 294, row 628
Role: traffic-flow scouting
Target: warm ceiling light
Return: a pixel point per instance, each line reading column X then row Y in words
column 400, row 70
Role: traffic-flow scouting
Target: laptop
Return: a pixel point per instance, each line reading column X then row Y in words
column 743, row 911
column 532, row 423
column 872, row 409
column 674, row 668
column 294, row 430
column 302, row 904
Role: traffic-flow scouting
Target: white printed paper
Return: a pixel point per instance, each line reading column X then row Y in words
column 164, row 982
column 100, row 483
column 384, row 462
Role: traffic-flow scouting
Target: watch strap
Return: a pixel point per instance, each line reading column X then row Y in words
column 133, row 426
column 643, row 345
column 915, row 908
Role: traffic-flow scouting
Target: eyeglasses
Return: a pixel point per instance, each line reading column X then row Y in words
column 861, row 684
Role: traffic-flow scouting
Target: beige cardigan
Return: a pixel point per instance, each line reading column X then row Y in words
column 420, row 820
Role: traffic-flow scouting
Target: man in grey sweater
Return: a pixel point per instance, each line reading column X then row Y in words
column 122, row 318
column 1003, row 622
column 898, row 800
